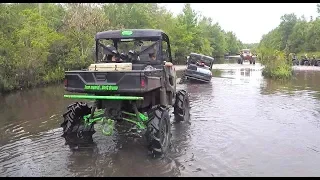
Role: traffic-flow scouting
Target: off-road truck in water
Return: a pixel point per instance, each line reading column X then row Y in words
column 246, row 55
column 132, row 80
column 199, row 68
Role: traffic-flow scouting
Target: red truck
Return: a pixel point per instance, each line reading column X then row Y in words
column 246, row 55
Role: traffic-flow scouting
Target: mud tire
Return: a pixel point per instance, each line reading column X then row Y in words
column 74, row 130
column 158, row 133
column 240, row 61
column 182, row 106
column 295, row 62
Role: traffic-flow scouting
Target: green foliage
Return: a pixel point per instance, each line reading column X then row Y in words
column 275, row 62
column 293, row 35
column 253, row 47
column 216, row 72
column 38, row 42
column 309, row 54
column 233, row 44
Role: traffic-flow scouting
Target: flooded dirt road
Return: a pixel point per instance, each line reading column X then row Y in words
column 241, row 125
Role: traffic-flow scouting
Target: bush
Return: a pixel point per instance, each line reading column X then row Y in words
column 276, row 64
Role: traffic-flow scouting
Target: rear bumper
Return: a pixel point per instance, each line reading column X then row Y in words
column 198, row 79
column 73, row 96
column 122, row 91
column 131, row 82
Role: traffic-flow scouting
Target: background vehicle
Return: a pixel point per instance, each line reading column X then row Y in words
column 304, row 61
column 133, row 80
column 316, row 62
column 246, row 55
column 199, row 67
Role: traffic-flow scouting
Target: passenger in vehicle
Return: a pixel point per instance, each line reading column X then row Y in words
column 113, row 58
column 109, row 58
column 152, row 57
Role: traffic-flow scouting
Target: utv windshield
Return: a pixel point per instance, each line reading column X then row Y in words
column 246, row 51
column 128, row 50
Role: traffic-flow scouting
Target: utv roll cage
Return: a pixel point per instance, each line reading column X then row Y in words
column 193, row 58
column 158, row 36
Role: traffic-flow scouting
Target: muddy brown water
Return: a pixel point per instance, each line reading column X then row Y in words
column 241, row 125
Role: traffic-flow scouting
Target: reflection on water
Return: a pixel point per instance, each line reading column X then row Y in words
column 226, row 60
column 241, row 125
column 303, row 82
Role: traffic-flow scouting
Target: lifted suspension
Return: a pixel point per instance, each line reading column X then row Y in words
column 108, row 124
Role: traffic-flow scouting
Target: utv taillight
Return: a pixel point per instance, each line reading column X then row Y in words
column 65, row 82
column 142, row 83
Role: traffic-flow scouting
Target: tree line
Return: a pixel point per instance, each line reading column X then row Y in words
column 38, row 42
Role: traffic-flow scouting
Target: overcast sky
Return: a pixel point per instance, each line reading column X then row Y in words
column 262, row 16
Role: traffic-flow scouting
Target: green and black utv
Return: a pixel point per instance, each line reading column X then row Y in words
column 132, row 80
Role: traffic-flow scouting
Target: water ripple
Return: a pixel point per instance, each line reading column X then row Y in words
column 241, row 125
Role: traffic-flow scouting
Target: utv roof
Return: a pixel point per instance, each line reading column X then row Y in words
column 130, row 33
column 201, row 55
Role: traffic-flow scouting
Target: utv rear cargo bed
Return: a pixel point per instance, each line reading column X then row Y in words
column 134, row 81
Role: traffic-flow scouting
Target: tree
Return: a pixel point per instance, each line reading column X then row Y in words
column 232, row 43
column 38, row 42
column 288, row 21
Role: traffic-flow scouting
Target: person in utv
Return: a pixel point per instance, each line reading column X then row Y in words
column 313, row 60
column 152, row 57
column 109, row 57
column 115, row 57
